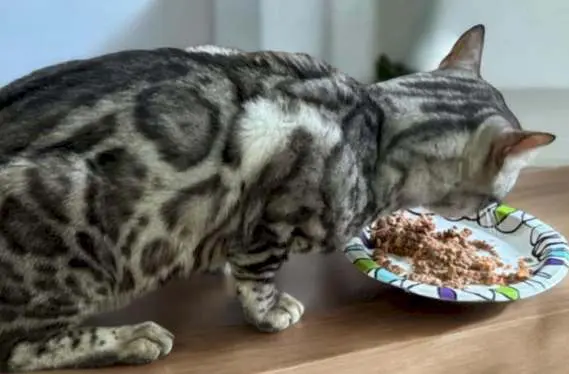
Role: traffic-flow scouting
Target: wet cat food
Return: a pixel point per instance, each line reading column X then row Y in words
column 442, row 258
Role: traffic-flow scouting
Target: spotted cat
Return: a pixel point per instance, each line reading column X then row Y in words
column 121, row 172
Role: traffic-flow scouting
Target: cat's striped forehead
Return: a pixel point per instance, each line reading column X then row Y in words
column 454, row 100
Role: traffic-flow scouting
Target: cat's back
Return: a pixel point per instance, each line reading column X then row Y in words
column 83, row 82
column 47, row 106
column 93, row 96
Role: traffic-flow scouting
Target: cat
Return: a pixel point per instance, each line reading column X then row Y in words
column 121, row 172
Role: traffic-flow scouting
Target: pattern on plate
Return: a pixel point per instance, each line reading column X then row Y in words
column 549, row 250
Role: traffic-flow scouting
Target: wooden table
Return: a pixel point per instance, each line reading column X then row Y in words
column 355, row 325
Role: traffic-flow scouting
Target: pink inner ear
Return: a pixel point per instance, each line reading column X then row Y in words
column 529, row 142
column 467, row 51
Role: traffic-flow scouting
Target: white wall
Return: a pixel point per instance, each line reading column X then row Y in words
column 36, row 33
column 294, row 25
column 237, row 24
column 353, row 36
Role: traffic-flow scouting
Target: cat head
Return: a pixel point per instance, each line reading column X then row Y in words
column 450, row 142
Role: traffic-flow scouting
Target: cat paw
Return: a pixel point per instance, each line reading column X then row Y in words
column 286, row 312
column 146, row 342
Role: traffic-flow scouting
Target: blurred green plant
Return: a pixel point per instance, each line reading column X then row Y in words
column 387, row 69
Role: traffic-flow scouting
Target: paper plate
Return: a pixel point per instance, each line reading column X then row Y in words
column 514, row 234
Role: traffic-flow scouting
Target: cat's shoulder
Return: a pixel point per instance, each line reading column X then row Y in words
column 275, row 127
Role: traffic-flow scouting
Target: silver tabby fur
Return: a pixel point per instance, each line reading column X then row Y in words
column 121, row 172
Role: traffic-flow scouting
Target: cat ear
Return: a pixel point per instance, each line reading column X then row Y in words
column 466, row 54
column 518, row 143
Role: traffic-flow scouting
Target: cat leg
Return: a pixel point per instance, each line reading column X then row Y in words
column 264, row 306
column 91, row 347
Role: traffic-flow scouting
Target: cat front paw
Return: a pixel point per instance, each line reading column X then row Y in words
column 145, row 343
column 285, row 312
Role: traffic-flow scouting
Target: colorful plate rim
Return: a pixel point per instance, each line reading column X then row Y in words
column 549, row 248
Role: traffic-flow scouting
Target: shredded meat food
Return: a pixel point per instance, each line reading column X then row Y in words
column 441, row 258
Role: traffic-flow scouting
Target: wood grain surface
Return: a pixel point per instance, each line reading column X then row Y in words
column 355, row 325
